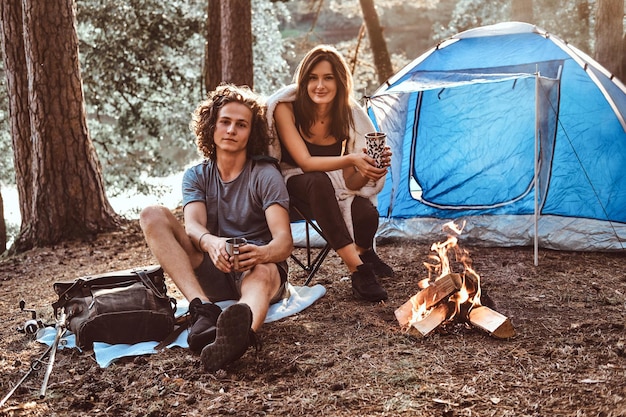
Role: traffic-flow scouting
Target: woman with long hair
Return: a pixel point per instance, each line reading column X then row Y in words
column 321, row 131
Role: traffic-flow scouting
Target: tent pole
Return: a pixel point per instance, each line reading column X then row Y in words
column 537, row 135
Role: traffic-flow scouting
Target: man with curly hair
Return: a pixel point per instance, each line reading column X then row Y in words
column 236, row 191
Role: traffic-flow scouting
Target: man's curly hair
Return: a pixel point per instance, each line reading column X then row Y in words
column 205, row 118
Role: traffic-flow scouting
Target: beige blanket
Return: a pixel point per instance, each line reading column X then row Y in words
column 356, row 143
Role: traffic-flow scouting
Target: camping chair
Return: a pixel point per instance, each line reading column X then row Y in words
column 296, row 214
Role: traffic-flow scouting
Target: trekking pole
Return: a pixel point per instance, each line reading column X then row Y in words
column 60, row 328
column 33, row 366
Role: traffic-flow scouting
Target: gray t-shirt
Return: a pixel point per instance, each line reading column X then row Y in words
column 237, row 208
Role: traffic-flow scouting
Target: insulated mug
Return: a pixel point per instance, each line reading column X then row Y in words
column 375, row 142
column 232, row 248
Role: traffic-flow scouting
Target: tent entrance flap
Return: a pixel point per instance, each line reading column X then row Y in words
column 479, row 154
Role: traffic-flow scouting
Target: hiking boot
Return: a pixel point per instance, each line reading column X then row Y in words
column 202, row 327
column 365, row 285
column 380, row 268
column 234, row 336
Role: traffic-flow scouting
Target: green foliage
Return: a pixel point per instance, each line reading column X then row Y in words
column 469, row 14
column 141, row 66
column 573, row 21
column 270, row 68
column 569, row 20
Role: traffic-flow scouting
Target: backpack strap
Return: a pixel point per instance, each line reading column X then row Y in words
column 63, row 297
column 145, row 280
column 180, row 325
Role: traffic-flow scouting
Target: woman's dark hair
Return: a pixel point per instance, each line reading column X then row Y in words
column 303, row 107
column 205, row 118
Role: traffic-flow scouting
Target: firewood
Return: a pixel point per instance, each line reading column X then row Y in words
column 435, row 318
column 404, row 313
column 438, row 290
column 492, row 322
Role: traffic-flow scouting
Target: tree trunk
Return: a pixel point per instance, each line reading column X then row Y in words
column 377, row 41
column 14, row 58
column 583, row 11
column 522, row 11
column 622, row 75
column 236, row 42
column 212, row 50
column 609, row 30
column 67, row 190
column 3, row 228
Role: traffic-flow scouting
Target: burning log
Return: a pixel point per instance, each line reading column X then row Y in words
column 491, row 321
column 436, row 317
column 430, row 296
column 451, row 297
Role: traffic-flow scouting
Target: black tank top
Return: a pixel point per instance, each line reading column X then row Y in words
column 314, row 150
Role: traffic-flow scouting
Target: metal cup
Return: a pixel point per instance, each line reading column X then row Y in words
column 375, row 142
column 232, row 248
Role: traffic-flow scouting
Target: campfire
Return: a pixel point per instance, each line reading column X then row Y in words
column 446, row 297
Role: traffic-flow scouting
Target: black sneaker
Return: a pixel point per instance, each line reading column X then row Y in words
column 202, row 327
column 234, row 336
column 365, row 285
column 380, row 268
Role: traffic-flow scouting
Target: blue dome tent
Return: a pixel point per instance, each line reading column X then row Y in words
column 511, row 130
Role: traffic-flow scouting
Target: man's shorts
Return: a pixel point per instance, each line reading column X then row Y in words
column 221, row 286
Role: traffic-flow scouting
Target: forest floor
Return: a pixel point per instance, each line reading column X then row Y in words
column 341, row 356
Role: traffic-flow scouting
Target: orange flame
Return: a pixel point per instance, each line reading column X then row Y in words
column 419, row 310
column 476, row 298
column 440, row 265
column 459, row 299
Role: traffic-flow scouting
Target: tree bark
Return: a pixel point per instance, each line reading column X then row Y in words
column 14, row 58
column 622, row 75
column 609, row 30
column 67, row 198
column 236, row 42
column 377, row 41
column 584, row 22
column 3, row 228
column 522, row 11
column 212, row 51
